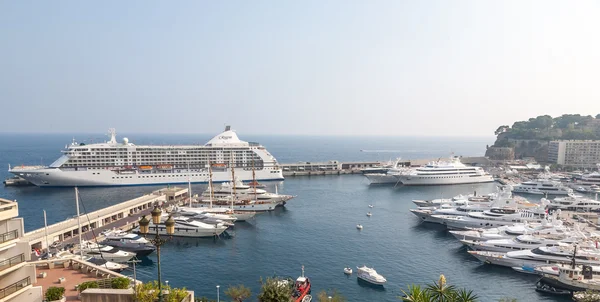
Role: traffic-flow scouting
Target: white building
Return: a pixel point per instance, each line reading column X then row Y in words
column 16, row 275
column 579, row 154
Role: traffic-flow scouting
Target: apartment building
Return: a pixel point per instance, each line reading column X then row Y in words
column 16, row 275
column 576, row 153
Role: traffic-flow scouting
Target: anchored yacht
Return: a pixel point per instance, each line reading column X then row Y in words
column 445, row 173
column 542, row 186
column 123, row 163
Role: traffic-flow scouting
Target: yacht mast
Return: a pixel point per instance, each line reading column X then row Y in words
column 78, row 221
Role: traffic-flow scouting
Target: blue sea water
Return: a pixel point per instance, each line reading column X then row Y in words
column 316, row 229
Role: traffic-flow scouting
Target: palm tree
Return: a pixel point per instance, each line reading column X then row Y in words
column 416, row 294
column 238, row 293
column 464, row 295
column 440, row 291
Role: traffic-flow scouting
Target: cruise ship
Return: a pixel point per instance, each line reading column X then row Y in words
column 445, row 173
column 125, row 164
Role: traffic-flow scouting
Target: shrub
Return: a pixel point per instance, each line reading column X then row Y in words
column 120, row 283
column 54, row 293
column 85, row 285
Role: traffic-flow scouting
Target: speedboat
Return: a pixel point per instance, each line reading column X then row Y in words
column 113, row 266
column 105, row 252
column 128, row 242
column 359, row 226
column 348, row 271
column 370, row 275
column 370, row 206
column 369, row 214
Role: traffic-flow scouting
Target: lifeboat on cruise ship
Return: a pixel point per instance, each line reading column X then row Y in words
column 145, row 168
column 221, row 165
column 164, row 167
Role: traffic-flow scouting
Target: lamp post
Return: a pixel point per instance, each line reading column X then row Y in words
column 157, row 241
column 218, row 300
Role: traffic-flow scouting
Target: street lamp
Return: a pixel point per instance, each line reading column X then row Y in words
column 218, row 300
column 157, row 241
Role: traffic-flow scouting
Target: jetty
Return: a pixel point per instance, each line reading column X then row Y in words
column 123, row 215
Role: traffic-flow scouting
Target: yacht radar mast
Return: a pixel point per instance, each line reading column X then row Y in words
column 113, row 135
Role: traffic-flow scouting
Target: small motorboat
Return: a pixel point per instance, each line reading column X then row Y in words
column 581, row 190
column 370, row 206
column 547, row 289
column 348, row 271
column 369, row 214
column 359, row 226
column 301, row 289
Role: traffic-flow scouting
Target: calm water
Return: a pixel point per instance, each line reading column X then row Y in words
column 316, row 229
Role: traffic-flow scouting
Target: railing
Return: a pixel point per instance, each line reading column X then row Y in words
column 12, row 261
column 13, row 288
column 9, row 236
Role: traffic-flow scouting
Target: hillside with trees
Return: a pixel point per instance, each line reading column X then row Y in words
column 530, row 138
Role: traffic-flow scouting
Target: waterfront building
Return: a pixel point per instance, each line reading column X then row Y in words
column 16, row 275
column 575, row 153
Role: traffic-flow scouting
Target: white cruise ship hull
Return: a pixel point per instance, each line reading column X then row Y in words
column 425, row 180
column 56, row 177
column 381, row 178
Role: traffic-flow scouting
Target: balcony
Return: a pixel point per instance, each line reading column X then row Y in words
column 12, row 261
column 8, row 209
column 15, row 287
column 8, row 236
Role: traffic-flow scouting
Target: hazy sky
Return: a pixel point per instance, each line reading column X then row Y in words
column 295, row 67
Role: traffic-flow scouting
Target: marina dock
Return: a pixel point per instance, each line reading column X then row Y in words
column 122, row 215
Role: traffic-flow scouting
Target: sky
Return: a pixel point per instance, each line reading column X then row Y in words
column 430, row 68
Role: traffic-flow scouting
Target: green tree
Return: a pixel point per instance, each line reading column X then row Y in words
column 238, row 293
column 438, row 291
column 501, row 129
column 275, row 290
column 335, row 296
column 416, row 294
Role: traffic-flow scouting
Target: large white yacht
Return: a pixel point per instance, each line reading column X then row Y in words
column 542, row 186
column 492, row 218
column 575, row 203
column 123, row 163
column 445, row 173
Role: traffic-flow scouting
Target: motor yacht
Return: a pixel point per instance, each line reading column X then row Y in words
column 128, row 242
column 574, row 203
column 554, row 228
column 113, row 266
column 542, row 186
column 447, row 172
column 106, row 252
column 521, row 242
column 370, row 275
column 563, row 253
column 494, row 217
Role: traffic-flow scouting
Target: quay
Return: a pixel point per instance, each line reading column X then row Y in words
column 335, row 167
column 123, row 215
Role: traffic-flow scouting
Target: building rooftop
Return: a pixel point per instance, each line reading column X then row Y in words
column 74, row 273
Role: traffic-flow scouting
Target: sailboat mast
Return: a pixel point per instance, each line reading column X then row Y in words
column 78, row 221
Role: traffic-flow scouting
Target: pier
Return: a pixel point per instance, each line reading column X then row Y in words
column 117, row 216
column 335, row 167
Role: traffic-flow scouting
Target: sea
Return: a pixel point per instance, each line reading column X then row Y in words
column 316, row 230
